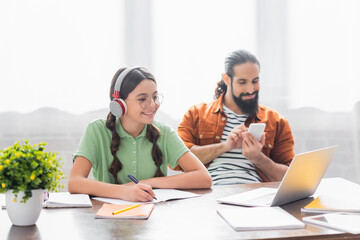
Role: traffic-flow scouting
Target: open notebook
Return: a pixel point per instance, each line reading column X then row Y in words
column 65, row 199
column 162, row 195
column 60, row 200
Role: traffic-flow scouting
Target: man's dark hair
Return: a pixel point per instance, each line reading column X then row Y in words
column 234, row 58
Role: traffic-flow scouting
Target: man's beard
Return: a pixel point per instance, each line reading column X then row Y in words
column 249, row 107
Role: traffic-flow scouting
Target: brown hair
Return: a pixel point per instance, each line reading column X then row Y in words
column 152, row 132
column 234, row 58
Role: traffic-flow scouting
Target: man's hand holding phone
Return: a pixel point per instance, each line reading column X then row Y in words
column 236, row 136
column 257, row 129
column 253, row 141
column 234, row 139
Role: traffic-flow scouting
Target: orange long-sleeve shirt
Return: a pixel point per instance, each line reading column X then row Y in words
column 204, row 124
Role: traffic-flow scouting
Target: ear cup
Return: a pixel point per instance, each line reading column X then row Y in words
column 118, row 107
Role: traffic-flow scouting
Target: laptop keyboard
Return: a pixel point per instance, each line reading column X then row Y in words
column 266, row 199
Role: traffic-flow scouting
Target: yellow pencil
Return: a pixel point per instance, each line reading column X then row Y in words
column 125, row 209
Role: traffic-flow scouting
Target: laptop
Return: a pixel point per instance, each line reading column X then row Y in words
column 300, row 181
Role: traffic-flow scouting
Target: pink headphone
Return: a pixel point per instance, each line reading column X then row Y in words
column 118, row 106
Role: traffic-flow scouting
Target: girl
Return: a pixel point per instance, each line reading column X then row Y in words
column 131, row 142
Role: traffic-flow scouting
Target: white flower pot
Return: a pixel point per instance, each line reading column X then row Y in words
column 24, row 214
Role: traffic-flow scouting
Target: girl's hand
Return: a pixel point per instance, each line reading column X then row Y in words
column 138, row 192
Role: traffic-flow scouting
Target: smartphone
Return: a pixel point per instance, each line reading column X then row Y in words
column 257, row 129
column 341, row 221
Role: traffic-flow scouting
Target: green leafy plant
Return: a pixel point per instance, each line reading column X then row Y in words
column 24, row 167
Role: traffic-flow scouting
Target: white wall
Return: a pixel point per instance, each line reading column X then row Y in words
column 63, row 54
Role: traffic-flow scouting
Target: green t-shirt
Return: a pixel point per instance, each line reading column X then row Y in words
column 134, row 153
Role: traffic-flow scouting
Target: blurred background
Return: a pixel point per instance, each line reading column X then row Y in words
column 57, row 59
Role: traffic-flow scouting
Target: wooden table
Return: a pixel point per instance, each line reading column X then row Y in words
column 194, row 218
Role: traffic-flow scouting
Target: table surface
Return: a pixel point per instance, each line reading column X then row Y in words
column 194, row 218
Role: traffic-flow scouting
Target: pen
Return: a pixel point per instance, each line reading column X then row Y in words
column 136, row 181
column 125, row 209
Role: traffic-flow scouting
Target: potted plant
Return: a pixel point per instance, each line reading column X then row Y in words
column 25, row 172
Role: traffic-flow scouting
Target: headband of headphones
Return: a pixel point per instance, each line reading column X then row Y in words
column 120, row 79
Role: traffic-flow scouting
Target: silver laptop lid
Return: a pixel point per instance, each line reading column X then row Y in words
column 303, row 175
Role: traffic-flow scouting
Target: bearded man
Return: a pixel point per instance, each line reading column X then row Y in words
column 217, row 132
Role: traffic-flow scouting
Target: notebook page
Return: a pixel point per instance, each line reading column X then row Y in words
column 162, row 195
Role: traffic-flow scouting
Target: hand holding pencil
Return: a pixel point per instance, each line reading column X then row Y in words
column 143, row 192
